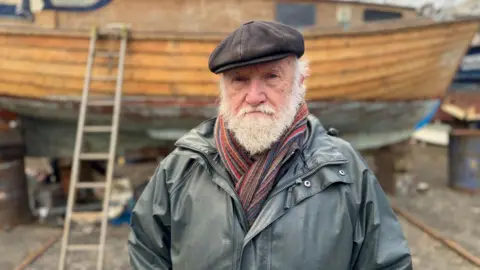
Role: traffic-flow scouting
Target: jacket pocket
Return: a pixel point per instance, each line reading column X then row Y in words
column 301, row 189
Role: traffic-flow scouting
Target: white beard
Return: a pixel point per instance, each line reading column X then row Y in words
column 258, row 133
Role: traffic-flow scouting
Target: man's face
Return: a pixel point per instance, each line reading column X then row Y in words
column 259, row 102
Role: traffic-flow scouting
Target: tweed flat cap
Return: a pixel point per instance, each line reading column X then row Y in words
column 256, row 42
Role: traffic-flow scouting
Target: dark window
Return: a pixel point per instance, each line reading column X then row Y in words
column 377, row 15
column 296, row 15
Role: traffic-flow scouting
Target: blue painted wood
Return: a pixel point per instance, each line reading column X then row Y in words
column 99, row 4
column 468, row 72
column 9, row 10
column 467, row 76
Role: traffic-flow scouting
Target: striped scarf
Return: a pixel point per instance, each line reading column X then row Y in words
column 253, row 179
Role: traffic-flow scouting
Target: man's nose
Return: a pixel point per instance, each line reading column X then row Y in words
column 255, row 95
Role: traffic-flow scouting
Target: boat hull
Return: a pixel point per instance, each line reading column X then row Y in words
column 50, row 126
column 373, row 83
column 417, row 60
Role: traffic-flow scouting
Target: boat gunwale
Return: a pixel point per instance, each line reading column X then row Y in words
column 355, row 2
column 372, row 28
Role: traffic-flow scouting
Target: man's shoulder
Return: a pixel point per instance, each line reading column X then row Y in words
column 356, row 163
column 342, row 145
column 177, row 165
column 350, row 152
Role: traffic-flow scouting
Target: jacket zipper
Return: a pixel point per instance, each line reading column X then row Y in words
column 289, row 185
column 234, row 241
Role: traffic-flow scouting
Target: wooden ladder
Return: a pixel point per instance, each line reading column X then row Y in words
column 117, row 31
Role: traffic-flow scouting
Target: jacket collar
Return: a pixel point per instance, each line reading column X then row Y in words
column 319, row 148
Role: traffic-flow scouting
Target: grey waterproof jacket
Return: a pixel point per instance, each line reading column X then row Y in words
column 326, row 211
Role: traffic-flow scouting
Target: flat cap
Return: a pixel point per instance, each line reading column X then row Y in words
column 256, row 42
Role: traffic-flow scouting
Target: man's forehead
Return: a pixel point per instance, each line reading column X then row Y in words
column 276, row 65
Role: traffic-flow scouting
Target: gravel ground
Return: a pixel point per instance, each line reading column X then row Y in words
column 116, row 255
column 429, row 254
column 17, row 244
column 455, row 214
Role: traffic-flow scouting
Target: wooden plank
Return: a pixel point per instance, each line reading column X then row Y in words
column 26, row 89
column 192, row 46
column 389, row 26
column 428, row 89
column 74, row 85
column 390, row 84
column 331, row 80
column 404, row 82
column 211, row 89
column 379, row 50
column 373, row 70
column 456, row 111
column 397, row 36
column 321, row 58
column 396, row 80
column 436, row 133
column 385, row 61
column 79, row 57
column 140, row 58
column 137, row 74
column 181, row 76
column 203, row 75
column 146, row 46
column 432, row 87
column 406, row 90
column 403, row 90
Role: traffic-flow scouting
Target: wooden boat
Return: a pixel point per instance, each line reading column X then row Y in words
column 372, row 79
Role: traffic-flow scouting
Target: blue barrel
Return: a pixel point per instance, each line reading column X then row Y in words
column 464, row 160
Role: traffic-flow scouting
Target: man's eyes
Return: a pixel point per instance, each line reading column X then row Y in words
column 268, row 76
column 240, row 79
column 272, row 76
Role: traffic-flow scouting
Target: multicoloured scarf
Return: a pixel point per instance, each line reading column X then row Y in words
column 254, row 179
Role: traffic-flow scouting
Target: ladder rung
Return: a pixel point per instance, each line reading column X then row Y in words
column 107, row 54
column 90, row 247
column 101, row 102
column 87, row 216
column 90, row 185
column 104, row 78
column 94, row 156
column 97, row 128
column 118, row 26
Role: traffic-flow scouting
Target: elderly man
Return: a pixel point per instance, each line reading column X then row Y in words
column 263, row 185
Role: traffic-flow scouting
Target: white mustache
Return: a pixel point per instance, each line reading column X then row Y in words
column 262, row 108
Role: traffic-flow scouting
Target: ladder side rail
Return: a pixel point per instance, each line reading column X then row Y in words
column 78, row 145
column 113, row 145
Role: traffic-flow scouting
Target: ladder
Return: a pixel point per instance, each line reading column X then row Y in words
column 119, row 32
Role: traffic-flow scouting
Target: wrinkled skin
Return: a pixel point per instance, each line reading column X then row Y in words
column 259, row 102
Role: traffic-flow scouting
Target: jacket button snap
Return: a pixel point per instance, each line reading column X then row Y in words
column 307, row 183
column 341, row 172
